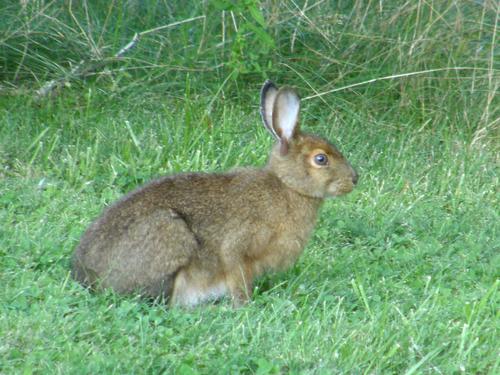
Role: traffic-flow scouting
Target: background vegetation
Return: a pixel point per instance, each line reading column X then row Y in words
column 401, row 276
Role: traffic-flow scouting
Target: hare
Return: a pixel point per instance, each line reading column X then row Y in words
column 195, row 237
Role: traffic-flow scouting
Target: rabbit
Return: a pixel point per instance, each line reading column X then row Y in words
column 196, row 237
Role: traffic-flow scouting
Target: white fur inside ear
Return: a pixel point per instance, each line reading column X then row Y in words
column 286, row 113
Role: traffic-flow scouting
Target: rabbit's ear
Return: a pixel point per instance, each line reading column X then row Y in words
column 267, row 97
column 286, row 116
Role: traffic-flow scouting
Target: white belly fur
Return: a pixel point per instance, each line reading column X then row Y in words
column 190, row 293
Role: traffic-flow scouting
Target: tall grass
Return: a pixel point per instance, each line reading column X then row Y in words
column 401, row 276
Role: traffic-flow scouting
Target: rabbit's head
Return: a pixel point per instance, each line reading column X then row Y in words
column 306, row 163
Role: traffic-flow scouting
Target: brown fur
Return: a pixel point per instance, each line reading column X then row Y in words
column 193, row 237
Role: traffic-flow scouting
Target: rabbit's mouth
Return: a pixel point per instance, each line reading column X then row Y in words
column 338, row 188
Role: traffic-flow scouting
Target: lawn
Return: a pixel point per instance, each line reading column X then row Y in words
column 400, row 276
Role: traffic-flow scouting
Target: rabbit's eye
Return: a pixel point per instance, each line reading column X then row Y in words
column 321, row 159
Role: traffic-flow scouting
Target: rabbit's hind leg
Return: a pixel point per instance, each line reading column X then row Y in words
column 146, row 257
column 168, row 246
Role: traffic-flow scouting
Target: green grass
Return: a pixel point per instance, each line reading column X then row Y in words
column 401, row 276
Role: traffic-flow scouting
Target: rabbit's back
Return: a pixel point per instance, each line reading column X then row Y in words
column 214, row 206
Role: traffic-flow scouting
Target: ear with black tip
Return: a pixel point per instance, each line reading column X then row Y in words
column 286, row 116
column 267, row 97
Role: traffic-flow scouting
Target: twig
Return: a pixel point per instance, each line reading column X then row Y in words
column 52, row 84
column 170, row 25
column 128, row 46
column 84, row 67
column 390, row 77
